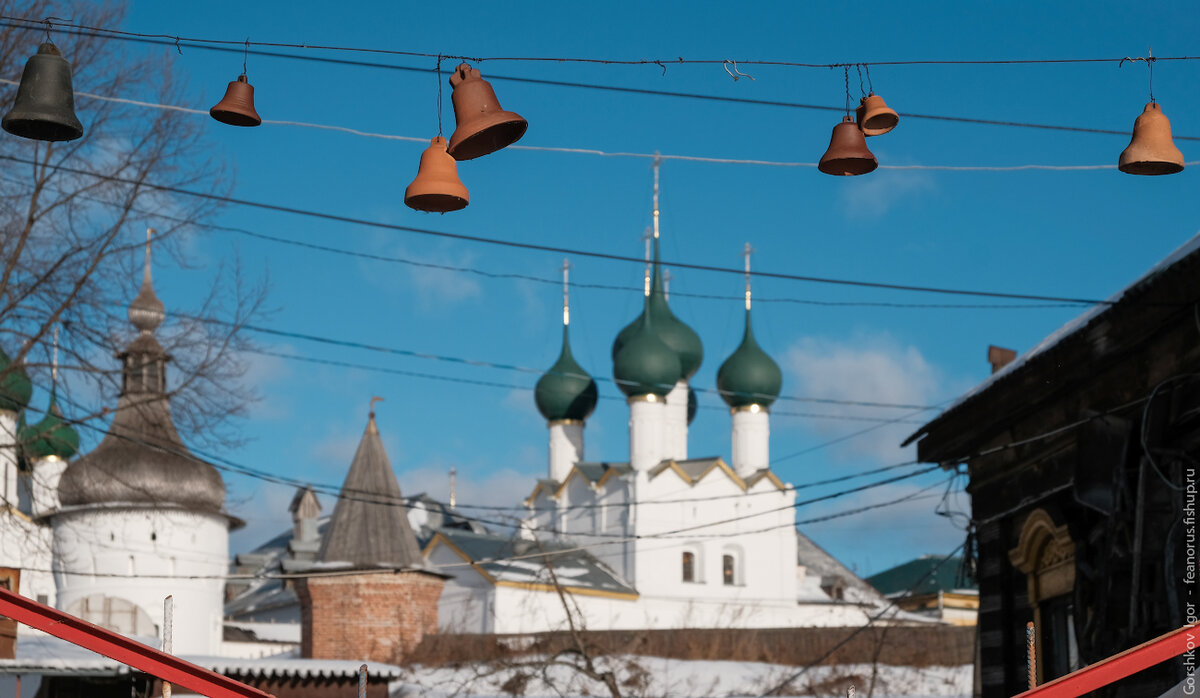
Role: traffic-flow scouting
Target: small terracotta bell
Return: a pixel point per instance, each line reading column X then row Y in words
column 44, row 109
column 1151, row 151
column 483, row 126
column 876, row 118
column 847, row 153
column 437, row 188
column 237, row 107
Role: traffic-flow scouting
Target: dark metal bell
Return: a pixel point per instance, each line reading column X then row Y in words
column 236, row 108
column 45, row 106
column 847, row 154
column 482, row 125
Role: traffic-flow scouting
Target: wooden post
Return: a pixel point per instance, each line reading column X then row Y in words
column 168, row 630
column 1031, row 654
column 362, row 681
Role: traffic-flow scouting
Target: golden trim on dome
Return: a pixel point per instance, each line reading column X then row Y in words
column 647, row 397
column 752, row 407
column 564, row 422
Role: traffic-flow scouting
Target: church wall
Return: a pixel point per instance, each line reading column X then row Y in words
column 762, row 548
column 466, row 604
column 26, row 545
column 160, row 547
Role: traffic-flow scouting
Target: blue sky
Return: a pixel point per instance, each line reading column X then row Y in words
column 1063, row 233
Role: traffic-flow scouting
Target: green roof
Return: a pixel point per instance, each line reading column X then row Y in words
column 749, row 376
column 644, row 364
column 15, row 386
column 51, row 436
column 673, row 332
column 917, row 572
column 566, row 391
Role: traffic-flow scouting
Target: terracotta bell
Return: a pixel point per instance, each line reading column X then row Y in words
column 483, row 126
column 236, row 108
column 876, row 118
column 847, row 153
column 44, row 109
column 1151, row 151
column 437, row 188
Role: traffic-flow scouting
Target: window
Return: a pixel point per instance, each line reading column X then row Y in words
column 689, row 566
column 728, row 575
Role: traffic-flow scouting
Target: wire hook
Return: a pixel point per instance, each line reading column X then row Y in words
column 736, row 74
column 438, row 70
column 858, row 67
column 870, row 85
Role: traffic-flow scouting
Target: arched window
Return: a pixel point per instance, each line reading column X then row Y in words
column 689, row 566
column 115, row 614
column 728, row 569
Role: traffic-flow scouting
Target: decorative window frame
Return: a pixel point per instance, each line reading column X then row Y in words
column 1045, row 554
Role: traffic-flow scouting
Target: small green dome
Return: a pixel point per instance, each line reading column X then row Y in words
column 50, row 437
column 682, row 339
column 15, row 386
column 566, row 391
column 644, row 364
column 749, row 376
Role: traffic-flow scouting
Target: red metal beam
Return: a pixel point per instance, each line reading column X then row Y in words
column 141, row 657
column 1118, row 666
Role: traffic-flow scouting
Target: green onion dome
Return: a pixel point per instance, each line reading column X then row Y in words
column 52, row 436
column 749, row 376
column 15, row 386
column 566, row 391
column 644, row 364
column 693, row 404
column 682, row 339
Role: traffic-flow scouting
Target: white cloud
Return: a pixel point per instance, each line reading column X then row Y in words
column 501, row 487
column 878, row 193
column 431, row 287
column 865, row 369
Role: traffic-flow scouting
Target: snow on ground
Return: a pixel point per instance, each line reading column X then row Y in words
column 654, row 676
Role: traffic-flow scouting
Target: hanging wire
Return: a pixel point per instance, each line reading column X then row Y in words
column 245, row 56
column 1149, row 60
column 870, row 85
column 859, row 68
column 846, row 72
column 438, row 71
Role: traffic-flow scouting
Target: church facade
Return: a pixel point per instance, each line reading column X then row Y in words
column 663, row 539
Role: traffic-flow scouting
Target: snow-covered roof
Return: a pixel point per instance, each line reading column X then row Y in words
column 50, row 656
column 493, row 555
column 1055, row 338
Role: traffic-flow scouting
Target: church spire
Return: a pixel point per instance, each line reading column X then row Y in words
column 146, row 312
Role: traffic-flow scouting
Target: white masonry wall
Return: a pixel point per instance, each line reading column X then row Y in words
column 647, row 432
column 677, row 425
column 566, row 448
column 140, row 555
column 751, row 440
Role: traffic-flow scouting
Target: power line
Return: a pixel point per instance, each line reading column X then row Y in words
column 511, row 367
column 526, row 388
column 625, row 154
column 50, row 22
column 337, row 218
column 907, row 593
column 341, row 251
column 180, row 42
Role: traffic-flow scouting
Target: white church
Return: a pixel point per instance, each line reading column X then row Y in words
column 660, row 540
column 663, row 539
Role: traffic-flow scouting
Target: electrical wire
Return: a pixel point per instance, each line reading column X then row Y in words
column 624, row 154
column 408, row 261
column 526, row 388
column 870, row 621
column 176, row 40
column 337, row 218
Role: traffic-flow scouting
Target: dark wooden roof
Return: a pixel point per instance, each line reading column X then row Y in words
column 369, row 526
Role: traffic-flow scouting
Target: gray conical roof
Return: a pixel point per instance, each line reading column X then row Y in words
column 369, row 527
column 141, row 459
